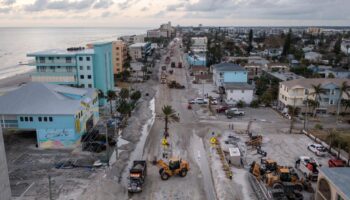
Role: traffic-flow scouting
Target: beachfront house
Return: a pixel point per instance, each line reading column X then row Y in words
column 76, row 67
column 295, row 92
column 231, row 80
column 59, row 115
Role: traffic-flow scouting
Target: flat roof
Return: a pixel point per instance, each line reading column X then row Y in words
column 308, row 82
column 61, row 52
column 141, row 44
column 238, row 86
column 44, row 98
column 228, row 67
column 340, row 177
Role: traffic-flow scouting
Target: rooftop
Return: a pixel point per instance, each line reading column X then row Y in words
column 228, row 67
column 141, row 44
column 340, row 177
column 307, row 83
column 61, row 52
column 238, row 86
column 43, row 98
column 199, row 68
column 285, row 76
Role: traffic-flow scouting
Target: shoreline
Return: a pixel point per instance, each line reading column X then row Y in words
column 15, row 80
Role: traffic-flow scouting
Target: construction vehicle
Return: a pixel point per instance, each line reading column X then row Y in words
column 137, row 176
column 176, row 166
column 176, row 85
column 255, row 141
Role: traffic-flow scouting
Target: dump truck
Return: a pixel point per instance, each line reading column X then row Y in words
column 137, row 176
column 176, row 166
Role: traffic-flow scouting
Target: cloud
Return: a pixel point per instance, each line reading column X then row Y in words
column 144, row 9
column 41, row 5
column 106, row 14
column 174, row 7
column 5, row 10
column 8, row 2
column 103, row 4
column 127, row 4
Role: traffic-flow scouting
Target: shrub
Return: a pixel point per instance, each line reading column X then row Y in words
column 318, row 126
column 254, row 104
column 240, row 104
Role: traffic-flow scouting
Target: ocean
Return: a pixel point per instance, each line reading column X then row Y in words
column 15, row 43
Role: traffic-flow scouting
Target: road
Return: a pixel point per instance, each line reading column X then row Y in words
column 198, row 183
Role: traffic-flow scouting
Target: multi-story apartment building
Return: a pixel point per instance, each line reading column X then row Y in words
column 77, row 67
column 199, row 44
column 228, row 73
column 119, row 56
column 139, row 51
column 296, row 92
column 60, row 115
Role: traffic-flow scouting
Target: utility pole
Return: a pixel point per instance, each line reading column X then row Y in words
column 50, row 192
column 306, row 112
column 107, row 145
column 292, row 117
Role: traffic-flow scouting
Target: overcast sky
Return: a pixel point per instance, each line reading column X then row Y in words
column 150, row 13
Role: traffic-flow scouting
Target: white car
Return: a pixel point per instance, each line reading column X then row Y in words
column 197, row 101
column 318, row 149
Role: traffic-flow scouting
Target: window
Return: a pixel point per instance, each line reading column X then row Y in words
column 81, row 76
column 332, row 92
column 117, row 59
column 51, row 58
column 52, row 68
column 88, row 67
column 42, row 59
column 30, row 119
column 42, row 68
column 117, row 48
column 306, row 91
column 69, row 69
column 331, row 102
column 26, row 119
column 58, row 67
column 50, row 119
column 89, row 76
column 88, row 58
column 45, row 119
column 57, row 58
column 40, row 119
column 90, row 85
column 80, row 58
column 21, row 119
column 68, row 60
column 81, row 68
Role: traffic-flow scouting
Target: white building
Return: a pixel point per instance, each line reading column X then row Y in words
column 139, row 51
column 235, row 92
column 333, row 184
column 199, row 44
column 313, row 56
column 345, row 46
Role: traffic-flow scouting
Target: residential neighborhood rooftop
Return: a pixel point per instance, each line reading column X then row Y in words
column 141, row 44
column 228, row 67
column 43, row 98
column 242, row 86
column 314, row 81
column 285, row 76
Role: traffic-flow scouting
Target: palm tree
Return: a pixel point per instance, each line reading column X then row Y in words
column 333, row 138
column 111, row 95
column 343, row 89
column 124, row 93
column 169, row 115
column 345, row 103
column 210, row 103
column 318, row 90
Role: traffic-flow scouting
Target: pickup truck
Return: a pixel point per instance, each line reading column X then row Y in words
column 233, row 112
column 309, row 167
column 137, row 176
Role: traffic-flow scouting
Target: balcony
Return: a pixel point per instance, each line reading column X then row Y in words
column 54, row 77
column 49, row 63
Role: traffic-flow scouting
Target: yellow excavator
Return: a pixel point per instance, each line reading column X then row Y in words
column 176, row 166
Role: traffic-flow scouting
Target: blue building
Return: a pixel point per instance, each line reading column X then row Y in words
column 228, row 73
column 197, row 60
column 58, row 114
column 77, row 67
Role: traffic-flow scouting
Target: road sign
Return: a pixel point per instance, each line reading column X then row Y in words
column 165, row 142
column 213, row 140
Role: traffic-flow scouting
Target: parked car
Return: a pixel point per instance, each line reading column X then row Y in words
column 197, row 101
column 163, row 67
column 233, row 112
column 309, row 167
column 336, row 163
column 318, row 149
column 222, row 109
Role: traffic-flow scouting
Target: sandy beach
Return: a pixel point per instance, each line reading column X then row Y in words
column 14, row 80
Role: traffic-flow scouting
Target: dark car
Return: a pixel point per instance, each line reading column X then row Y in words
column 222, row 109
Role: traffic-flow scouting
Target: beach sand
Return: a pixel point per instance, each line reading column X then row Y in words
column 14, row 81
